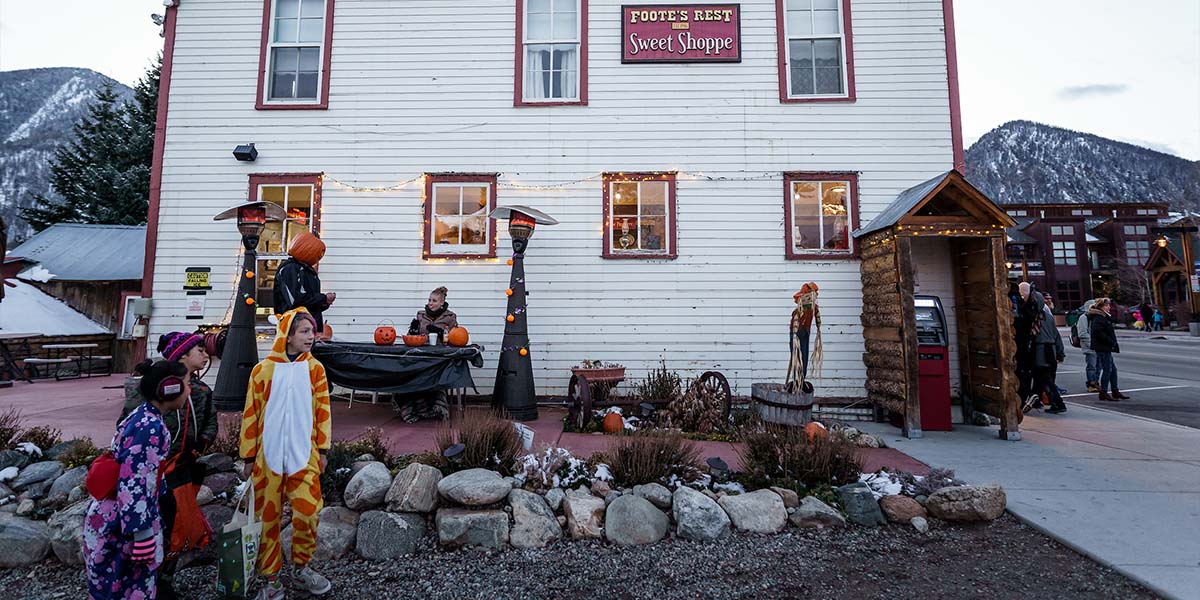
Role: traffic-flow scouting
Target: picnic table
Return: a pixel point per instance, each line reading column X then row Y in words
column 8, row 365
column 82, row 355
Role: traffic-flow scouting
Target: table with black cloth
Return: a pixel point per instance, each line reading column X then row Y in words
column 398, row 369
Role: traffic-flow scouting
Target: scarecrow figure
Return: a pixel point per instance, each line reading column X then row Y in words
column 806, row 314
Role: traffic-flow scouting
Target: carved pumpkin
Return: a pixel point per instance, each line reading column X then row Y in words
column 307, row 248
column 458, row 336
column 814, row 430
column 328, row 333
column 613, row 423
column 385, row 335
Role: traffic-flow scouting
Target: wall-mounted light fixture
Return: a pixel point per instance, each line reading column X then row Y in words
column 245, row 153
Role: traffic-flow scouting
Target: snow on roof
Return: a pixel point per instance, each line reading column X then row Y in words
column 77, row 252
column 28, row 309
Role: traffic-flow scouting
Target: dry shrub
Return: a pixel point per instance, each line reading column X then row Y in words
column 229, row 434
column 775, row 454
column 647, row 457
column 372, row 442
column 699, row 410
column 42, row 436
column 938, row 478
column 11, row 426
column 660, row 384
column 81, row 452
column 491, row 442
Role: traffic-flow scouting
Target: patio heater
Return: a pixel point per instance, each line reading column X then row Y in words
column 514, row 388
column 241, row 349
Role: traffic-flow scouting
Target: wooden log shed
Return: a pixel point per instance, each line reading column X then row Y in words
column 950, row 210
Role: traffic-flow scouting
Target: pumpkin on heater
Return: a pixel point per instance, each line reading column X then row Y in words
column 458, row 336
column 385, row 335
column 613, row 423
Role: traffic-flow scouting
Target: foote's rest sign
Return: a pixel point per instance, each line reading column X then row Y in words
column 681, row 33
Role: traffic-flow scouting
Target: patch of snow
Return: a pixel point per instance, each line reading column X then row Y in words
column 73, row 92
column 30, row 448
column 27, row 309
column 602, row 473
column 882, row 484
column 731, row 487
column 36, row 273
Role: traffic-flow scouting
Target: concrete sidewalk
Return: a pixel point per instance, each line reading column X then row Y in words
column 1122, row 489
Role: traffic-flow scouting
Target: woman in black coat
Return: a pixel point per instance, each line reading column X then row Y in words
column 1104, row 343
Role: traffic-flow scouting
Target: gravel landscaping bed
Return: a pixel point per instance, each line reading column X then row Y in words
column 998, row 559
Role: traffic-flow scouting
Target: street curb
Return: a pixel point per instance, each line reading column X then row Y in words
column 1124, row 414
column 1080, row 550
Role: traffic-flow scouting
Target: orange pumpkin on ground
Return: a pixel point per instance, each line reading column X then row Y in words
column 307, row 248
column 814, row 430
column 458, row 336
column 613, row 423
column 385, row 335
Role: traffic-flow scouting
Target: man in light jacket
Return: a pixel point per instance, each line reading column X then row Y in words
column 1083, row 329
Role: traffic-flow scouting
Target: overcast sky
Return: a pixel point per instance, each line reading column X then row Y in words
column 1120, row 69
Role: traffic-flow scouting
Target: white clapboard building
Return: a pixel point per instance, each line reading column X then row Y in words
column 704, row 161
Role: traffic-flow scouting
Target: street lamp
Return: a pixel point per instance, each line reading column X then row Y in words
column 241, row 350
column 514, row 389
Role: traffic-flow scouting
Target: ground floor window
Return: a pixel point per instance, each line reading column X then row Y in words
column 300, row 197
column 457, row 224
column 639, row 215
column 1067, row 295
column 821, row 209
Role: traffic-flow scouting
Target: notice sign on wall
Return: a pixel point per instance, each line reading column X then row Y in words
column 681, row 33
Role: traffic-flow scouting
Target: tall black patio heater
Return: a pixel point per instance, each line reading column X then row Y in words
column 241, row 350
column 514, row 376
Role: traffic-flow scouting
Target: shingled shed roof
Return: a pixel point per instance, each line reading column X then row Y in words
column 77, row 252
column 915, row 197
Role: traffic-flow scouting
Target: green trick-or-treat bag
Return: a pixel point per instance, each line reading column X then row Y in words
column 237, row 548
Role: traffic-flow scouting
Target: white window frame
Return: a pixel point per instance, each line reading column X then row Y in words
column 526, row 42
column 668, row 223
column 840, row 36
column 272, row 45
column 1137, row 250
column 1065, row 253
column 282, row 255
column 1062, row 230
column 463, row 249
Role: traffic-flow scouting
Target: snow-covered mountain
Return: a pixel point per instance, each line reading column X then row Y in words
column 1022, row 162
column 38, row 108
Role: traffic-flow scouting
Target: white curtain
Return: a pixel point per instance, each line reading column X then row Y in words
column 570, row 72
column 536, row 68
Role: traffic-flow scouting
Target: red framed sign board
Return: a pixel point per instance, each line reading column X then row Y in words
column 681, row 33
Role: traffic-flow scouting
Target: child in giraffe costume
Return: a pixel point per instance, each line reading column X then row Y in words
column 285, row 434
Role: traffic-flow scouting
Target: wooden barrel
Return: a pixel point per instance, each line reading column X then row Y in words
column 775, row 405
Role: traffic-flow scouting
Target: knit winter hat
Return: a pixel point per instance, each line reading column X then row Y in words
column 175, row 344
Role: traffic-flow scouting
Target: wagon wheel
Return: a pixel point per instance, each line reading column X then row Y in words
column 585, row 402
column 574, row 410
column 716, row 383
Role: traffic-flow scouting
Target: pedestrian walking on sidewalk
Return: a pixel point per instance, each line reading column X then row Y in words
column 1104, row 343
column 1158, row 320
column 1026, row 325
column 1084, row 333
column 1048, row 359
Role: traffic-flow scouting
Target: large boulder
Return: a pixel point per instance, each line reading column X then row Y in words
column 656, row 493
column 790, row 498
column 217, row 515
column 474, row 487
column 901, row 509
column 812, row 513
column 47, row 470
column 861, row 506
column 22, row 542
column 385, row 536
column 13, row 458
column 760, row 511
column 534, row 525
column 61, row 448
column 337, row 532
column 585, row 515
column 632, row 520
column 60, row 490
column 554, row 498
column 457, row 527
column 368, row 487
column 697, row 516
column 66, row 533
column 415, row 489
column 222, row 483
column 216, row 463
column 967, row 503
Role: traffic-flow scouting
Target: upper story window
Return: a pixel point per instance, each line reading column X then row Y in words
column 1147, row 211
column 1132, row 230
column 551, row 52
column 639, row 215
column 1018, row 213
column 1065, row 253
column 816, row 58
column 300, row 197
column 1137, row 251
column 1081, row 212
column 820, row 211
column 295, row 56
column 456, row 216
column 1062, row 230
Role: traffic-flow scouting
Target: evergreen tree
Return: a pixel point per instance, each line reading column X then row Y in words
column 104, row 175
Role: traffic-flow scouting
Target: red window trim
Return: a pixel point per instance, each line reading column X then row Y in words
column 432, row 178
column 781, row 40
column 789, row 249
column 672, row 216
column 519, row 52
column 322, row 102
column 315, row 179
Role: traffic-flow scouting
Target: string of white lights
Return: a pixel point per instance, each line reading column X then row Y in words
column 516, row 185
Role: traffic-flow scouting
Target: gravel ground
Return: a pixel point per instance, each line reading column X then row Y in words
column 1001, row 559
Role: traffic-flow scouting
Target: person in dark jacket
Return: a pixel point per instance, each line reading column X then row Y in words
column 296, row 281
column 1104, row 343
column 1026, row 326
column 436, row 319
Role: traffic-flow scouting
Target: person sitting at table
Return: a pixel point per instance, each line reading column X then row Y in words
column 436, row 318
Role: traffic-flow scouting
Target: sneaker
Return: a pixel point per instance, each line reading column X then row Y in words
column 312, row 582
column 1034, row 401
column 271, row 590
column 1057, row 411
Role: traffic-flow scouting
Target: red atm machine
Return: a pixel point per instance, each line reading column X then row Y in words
column 933, row 364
